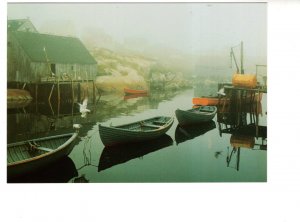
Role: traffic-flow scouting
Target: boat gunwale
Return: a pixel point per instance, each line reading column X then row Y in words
column 190, row 111
column 135, row 91
column 167, row 124
column 61, row 147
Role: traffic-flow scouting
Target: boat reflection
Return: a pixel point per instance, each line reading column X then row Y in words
column 61, row 172
column 115, row 155
column 184, row 133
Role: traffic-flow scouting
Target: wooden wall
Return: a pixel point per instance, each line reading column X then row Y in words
column 18, row 63
column 21, row 69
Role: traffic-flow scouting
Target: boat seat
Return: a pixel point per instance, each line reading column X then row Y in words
column 44, row 149
column 34, row 146
column 150, row 125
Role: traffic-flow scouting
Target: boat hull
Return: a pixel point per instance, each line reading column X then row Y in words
column 134, row 132
column 135, row 91
column 194, row 116
column 37, row 162
column 214, row 101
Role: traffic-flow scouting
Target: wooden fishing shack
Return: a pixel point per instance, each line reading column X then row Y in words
column 44, row 63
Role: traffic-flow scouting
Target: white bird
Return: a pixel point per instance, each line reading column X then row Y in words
column 221, row 92
column 77, row 126
column 83, row 108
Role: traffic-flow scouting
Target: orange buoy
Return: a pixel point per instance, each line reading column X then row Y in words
column 244, row 80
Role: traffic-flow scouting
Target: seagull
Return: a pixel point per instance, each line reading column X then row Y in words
column 77, row 126
column 221, row 92
column 83, row 108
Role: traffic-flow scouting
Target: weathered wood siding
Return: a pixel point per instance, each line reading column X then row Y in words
column 18, row 63
column 21, row 69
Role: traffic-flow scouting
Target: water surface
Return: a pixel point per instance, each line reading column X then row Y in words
column 202, row 153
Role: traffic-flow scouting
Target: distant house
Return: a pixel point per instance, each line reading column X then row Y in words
column 20, row 25
column 33, row 57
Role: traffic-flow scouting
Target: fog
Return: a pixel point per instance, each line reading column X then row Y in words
column 190, row 28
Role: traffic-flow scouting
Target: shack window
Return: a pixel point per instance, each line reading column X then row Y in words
column 53, row 68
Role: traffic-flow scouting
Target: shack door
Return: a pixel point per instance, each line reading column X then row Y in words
column 53, row 68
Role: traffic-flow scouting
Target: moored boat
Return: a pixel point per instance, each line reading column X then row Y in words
column 214, row 100
column 207, row 101
column 196, row 115
column 35, row 154
column 134, row 132
column 128, row 91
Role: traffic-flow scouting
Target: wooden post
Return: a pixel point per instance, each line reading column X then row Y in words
column 72, row 88
column 94, row 92
column 242, row 58
column 58, row 97
column 36, row 96
column 51, row 93
column 78, row 92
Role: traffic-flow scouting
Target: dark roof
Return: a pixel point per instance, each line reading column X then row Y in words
column 59, row 49
column 15, row 24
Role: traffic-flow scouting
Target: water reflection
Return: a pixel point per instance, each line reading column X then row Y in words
column 115, row 155
column 184, row 133
column 242, row 122
column 60, row 172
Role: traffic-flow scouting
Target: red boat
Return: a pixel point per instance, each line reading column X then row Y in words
column 135, row 91
column 132, row 96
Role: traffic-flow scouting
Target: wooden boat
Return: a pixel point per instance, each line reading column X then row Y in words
column 196, row 115
column 133, row 96
column 214, row 100
column 184, row 133
column 18, row 94
column 32, row 155
column 134, row 91
column 207, row 101
column 134, row 132
column 119, row 154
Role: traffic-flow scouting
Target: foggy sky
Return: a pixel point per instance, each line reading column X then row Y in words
column 190, row 27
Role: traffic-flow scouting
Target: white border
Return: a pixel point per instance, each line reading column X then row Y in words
column 276, row 200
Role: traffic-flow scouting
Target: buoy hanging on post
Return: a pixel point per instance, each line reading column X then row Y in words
column 244, row 80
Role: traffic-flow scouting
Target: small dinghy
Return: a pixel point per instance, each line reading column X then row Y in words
column 135, row 91
column 35, row 154
column 135, row 132
column 196, row 115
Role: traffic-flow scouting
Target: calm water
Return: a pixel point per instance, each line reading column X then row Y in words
column 202, row 153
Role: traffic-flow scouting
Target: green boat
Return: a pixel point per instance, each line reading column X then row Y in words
column 33, row 155
column 135, row 132
column 196, row 115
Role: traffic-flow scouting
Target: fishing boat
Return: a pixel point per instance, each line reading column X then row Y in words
column 184, row 133
column 134, row 132
column 134, row 91
column 35, row 154
column 208, row 101
column 133, row 96
column 196, row 115
column 119, row 154
column 214, row 100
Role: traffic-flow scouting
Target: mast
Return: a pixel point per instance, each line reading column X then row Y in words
column 242, row 58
